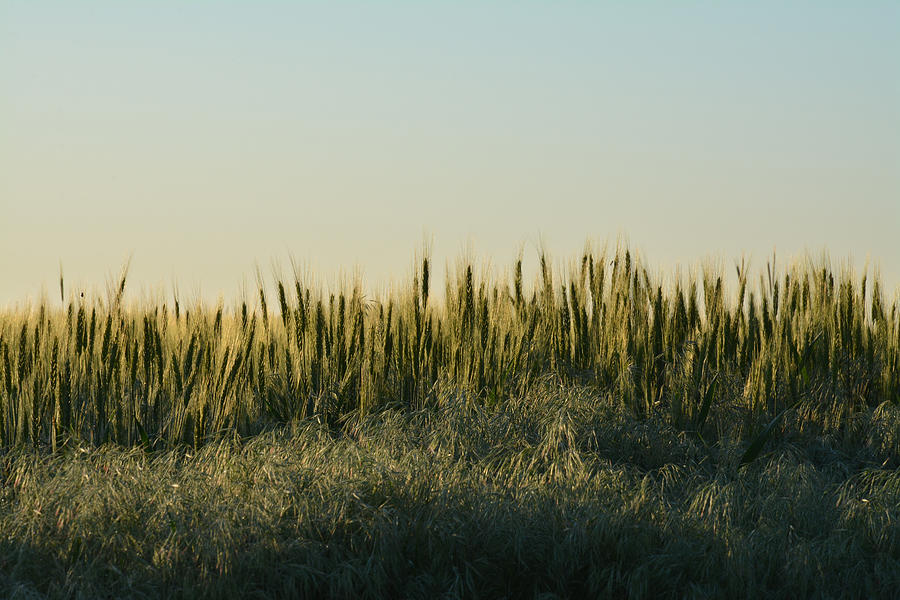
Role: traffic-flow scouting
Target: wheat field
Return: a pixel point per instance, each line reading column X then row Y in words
column 597, row 431
column 102, row 370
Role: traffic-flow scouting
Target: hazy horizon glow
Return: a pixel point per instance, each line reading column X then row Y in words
column 204, row 138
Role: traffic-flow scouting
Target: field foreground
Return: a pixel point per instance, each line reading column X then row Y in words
column 561, row 492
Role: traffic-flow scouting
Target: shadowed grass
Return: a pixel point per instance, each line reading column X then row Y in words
column 557, row 493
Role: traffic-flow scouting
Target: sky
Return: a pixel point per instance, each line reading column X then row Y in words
column 201, row 140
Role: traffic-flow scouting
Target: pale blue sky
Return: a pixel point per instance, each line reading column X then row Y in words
column 205, row 137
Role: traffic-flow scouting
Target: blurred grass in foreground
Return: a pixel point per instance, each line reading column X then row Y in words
column 560, row 492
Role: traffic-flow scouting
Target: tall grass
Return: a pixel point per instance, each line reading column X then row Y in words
column 807, row 338
column 561, row 493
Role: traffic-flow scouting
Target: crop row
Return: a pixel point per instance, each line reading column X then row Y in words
column 100, row 370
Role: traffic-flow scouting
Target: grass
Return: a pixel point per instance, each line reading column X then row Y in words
column 559, row 493
column 100, row 371
column 597, row 433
